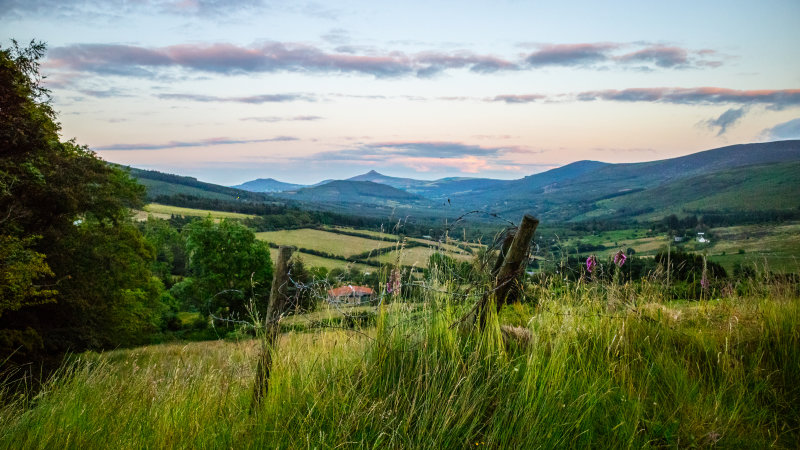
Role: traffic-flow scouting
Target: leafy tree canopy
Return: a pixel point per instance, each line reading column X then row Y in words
column 228, row 267
column 74, row 271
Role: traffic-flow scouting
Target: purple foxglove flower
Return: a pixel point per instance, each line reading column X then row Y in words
column 620, row 258
column 591, row 263
column 394, row 284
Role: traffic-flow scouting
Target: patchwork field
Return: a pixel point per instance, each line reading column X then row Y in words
column 323, row 241
column 452, row 245
column 164, row 211
column 319, row 261
column 415, row 256
column 377, row 234
column 777, row 247
column 346, row 246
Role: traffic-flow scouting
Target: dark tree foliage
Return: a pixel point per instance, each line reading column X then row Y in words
column 170, row 248
column 75, row 271
column 228, row 269
column 689, row 267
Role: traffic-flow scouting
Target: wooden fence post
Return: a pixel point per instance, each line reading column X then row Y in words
column 277, row 305
column 503, row 251
column 505, row 283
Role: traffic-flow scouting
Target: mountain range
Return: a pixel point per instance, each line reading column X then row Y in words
column 267, row 185
column 743, row 177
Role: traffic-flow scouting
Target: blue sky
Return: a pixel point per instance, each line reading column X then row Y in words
column 229, row 91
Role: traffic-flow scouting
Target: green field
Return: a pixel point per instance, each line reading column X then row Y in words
column 346, row 246
column 377, row 234
column 415, row 256
column 319, row 261
column 323, row 241
column 165, row 211
column 776, row 247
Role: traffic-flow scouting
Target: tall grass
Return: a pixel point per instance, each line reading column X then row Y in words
column 604, row 366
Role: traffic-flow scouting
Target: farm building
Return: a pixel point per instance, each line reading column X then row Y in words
column 350, row 294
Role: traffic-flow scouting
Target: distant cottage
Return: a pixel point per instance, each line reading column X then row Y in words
column 701, row 238
column 350, row 294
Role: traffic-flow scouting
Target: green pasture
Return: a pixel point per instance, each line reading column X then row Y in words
column 323, row 241
column 160, row 210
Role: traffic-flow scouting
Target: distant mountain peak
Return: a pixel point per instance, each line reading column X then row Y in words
column 373, row 172
column 267, row 185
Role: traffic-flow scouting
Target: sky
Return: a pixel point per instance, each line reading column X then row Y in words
column 229, row 91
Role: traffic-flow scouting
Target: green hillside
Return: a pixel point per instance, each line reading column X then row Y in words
column 765, row 187
column 164, row 184
column 579, row 196
column 364, row 192
column 747, row 177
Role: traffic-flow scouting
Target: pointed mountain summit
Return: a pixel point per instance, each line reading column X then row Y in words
column 267, row 185
column 349, row 191
column 395, row 182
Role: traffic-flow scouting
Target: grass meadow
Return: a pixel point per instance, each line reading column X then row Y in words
column 164, row 211
column 335, row 242
column 324, row 241
column 588, row 365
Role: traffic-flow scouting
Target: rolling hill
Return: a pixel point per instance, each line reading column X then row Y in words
column 345, row 191
column 160, row 184
column 742, row 177
column 751, row 188
column 577, row 190
column 267, row 185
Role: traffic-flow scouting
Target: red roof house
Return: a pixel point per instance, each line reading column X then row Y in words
column 350, row 294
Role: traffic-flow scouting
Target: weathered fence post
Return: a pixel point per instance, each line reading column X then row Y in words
column 503, row 250
column 505, row 282
column 277, row 305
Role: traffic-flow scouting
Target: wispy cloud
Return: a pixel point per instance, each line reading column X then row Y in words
column 206, row 9
column 434, row 62
column 104, row 93
column 783, row 131
column 726, row 120
column 230, row 59
column 606, row 54
column 772, row 98
column 661, row 56
column 424, row 156
column 516, row 98
column 570, row 54
column 337, row 36
column 252, row 99
column 269, row 57
column 200, row 143
column 419, row 148
column 270, row 119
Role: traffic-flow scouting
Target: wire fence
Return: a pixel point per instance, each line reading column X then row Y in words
column 466, row 289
